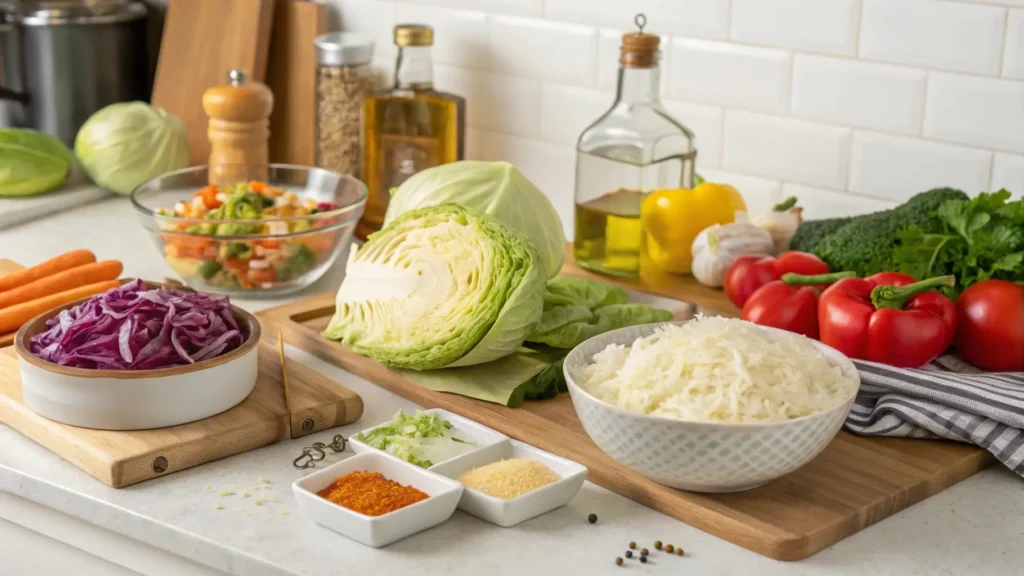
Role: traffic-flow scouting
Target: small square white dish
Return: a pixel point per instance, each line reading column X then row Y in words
column 508, row 513
column 481, row 436
column 378, row 531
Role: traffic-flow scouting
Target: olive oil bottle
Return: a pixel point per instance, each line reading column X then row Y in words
column 409, row 127
column 633, row 149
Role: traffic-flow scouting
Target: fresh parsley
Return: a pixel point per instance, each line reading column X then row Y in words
column 982, row 239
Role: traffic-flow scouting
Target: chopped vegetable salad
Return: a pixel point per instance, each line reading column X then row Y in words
column 206, row 251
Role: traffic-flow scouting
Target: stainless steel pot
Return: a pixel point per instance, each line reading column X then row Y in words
column 62, row 60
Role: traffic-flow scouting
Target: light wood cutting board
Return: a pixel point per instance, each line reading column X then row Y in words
column 291, row 75
column 124, row 458
column 854, row 483
column 202, row 41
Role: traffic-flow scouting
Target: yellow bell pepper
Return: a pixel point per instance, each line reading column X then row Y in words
column 673, row 218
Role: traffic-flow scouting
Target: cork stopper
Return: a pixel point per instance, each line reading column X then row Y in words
column 639, row 50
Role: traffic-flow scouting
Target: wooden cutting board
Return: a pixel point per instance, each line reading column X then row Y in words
column 124, row 458
column 202, row 41
column 854, row 483
column 291, row 75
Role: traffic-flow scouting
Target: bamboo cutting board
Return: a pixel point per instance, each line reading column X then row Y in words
column 124, row 458
column 202, row 41
column 291, row 75
column 854, row 483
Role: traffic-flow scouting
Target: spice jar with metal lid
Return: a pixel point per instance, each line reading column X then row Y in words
column 633, row 149
column 344, row 78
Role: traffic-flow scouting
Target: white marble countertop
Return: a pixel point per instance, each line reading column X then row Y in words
column 972, row 528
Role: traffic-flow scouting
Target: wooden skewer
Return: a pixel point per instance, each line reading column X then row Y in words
column 284, row 382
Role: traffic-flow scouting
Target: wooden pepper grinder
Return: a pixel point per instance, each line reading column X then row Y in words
column 239, row 129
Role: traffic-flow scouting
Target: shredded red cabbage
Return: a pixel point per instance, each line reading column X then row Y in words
column 138, row 328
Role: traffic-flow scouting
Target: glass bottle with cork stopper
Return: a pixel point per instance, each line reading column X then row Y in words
column 239, row 129
column 409, row 127
column 635, row 148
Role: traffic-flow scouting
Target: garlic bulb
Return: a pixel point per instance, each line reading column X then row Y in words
column 718, row 246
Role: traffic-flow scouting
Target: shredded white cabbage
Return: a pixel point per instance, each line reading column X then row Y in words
column 716, row 369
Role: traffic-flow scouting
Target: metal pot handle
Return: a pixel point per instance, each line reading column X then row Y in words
column 7, row 93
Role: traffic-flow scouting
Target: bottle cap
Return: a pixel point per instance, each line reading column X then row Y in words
column 414, row 35
column 639, row 49
column 343, row 49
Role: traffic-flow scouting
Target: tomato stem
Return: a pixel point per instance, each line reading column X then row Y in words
column 896, row 296
column 815, row 280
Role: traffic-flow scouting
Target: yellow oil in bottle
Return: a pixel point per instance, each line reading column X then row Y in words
column 609, row 235
column 405, row 131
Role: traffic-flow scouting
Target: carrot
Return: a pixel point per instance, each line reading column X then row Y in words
column 66, row 280
column 7, row 339
column 14, row 317
column 48, row 268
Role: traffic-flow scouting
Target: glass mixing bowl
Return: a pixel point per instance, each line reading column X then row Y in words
column 252, row 257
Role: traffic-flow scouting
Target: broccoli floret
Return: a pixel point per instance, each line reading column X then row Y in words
column 866, row 244
column 811, row 232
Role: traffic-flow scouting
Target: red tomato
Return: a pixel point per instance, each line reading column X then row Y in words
column 991, row 333
column 260, row 275
column 748, row 273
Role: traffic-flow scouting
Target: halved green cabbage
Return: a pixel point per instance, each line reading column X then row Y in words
column 494, row 188
column 439, row 286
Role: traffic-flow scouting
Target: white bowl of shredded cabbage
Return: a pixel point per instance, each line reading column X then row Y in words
column 710, row 405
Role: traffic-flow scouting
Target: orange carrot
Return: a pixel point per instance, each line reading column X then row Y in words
column 50, row 267
column 7, row 339
column 14, row 317
column 61, row 281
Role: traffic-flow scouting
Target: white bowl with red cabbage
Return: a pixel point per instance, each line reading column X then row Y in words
column 139, row 356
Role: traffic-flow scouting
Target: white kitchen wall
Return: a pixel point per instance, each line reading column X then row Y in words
column 851, row 105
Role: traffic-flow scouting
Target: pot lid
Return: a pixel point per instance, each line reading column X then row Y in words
column 57, row 12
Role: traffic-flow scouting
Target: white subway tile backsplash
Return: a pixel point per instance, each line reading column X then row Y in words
column 730, row 75
column 1013, row 56
column 545, row 50
column 984, row 112
column 818, row 203
column 706, row 123
column 460, row 36
column 758, row 193
column 494, row 102
column 857, row 93
column 370, row 17
column 1008, row 173
column 933, row 33
column 701, row 18
column 786, row 149
column 828, row 26
column 565, row 111
column 897, row 168
column 517, row 7
column 551, row 167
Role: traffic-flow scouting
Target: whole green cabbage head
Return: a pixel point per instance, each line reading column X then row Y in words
column 31, row 162
column 439, row 286
column 494, row 188
column 125, row 144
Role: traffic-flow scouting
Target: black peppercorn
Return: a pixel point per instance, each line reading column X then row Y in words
column 629, row 553
column 592, row 518
column 643, row 559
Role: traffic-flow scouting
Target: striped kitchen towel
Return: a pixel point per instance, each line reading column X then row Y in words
column 946, row 399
